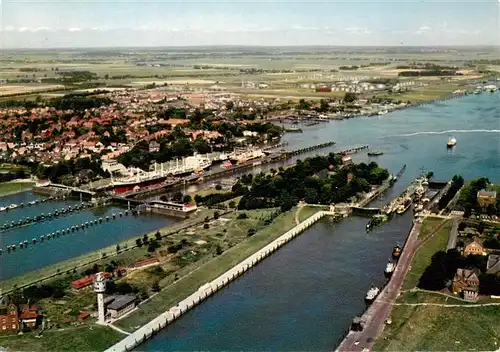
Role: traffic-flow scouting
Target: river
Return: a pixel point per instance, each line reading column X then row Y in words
column 305, row 296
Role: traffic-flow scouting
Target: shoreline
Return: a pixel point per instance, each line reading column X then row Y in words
column 24, row 186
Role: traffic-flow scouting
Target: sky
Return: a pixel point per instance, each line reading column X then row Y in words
column 135, row 23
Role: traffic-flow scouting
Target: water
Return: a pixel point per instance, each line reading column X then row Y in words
column 305, row 296
column 67, row 246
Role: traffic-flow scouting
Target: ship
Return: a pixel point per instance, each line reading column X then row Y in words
column 138, row 179
column 451, row 142
column 372, row 294
column 242, row 156
column 404, row 207
column 376, row 220
column 375, row 153
column 396, row 251
column 389, row 268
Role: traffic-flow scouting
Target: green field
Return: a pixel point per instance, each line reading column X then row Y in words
column 424, row 254
column 82, row 338
column 7, row 188
column 440, row 328
column 188, row 284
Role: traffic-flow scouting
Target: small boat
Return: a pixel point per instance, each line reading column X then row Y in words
column 404, row 207
column 389, row 268
column 372, row 294
column 396, row 251
column 451, row 142
column 12, row 206
column 375, row 153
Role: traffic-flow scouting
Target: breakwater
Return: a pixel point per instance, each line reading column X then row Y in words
column 208, row 289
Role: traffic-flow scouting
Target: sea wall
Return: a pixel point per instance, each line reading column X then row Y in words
column 208, row 289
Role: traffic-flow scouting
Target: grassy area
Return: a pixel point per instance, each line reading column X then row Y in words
column 424, row 254
column 427, row 93
column 128, row 254
column 182, row 288
column 437, row 328
column 306, row 212
column 82, row 338
column 7, row 188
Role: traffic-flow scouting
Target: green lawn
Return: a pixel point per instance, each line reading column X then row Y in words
column 424, row 254
column 435, row 328
column 188, row 284
column 7, row 188
column 83, row 338
column 306, row 212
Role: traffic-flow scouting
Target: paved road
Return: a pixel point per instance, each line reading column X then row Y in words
column 452, row 240
column 379, row 311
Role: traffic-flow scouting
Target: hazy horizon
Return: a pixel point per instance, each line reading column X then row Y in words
column 174, row 23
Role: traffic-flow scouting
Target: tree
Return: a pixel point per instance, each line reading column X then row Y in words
column 350, row 97
column 153, row 245
column 232, row 204
column 250, row 232
column 138, row 242
column 229, row 105
column 158, row 235
column 187, row 199
column 145, row 238
column 218, row 250
column 177, row 197
column 117, row 248
column 155, row 287
column 216, row 215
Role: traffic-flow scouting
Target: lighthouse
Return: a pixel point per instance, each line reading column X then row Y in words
column 100, row 289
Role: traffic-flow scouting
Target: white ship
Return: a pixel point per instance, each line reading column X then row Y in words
column 372, row 294
column 451, row 142
column 241, row 156
column 389, row 269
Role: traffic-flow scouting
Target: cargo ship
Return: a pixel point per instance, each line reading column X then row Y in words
column 375, row 153
column 138, row 179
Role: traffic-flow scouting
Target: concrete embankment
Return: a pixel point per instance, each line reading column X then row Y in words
column 208, row 289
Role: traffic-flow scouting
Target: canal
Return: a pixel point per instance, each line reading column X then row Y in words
column 304, row 296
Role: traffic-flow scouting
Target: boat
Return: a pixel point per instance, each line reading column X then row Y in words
column 383, row 112
column 375, row 153
column 241, row 156
column 376, row 220
column 389, row 268
column 372, row 294
column 396, row 251
column 138, row 179
column 402, row 208
column 451, row 142
column 12, row 206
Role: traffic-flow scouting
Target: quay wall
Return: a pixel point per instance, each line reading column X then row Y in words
column 208, row 289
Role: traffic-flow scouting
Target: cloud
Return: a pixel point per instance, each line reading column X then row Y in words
column 423, row 29
column 8, row 28
column 74, row 29
column 356, row 30
column 24, row 29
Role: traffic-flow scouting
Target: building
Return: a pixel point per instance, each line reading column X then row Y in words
column 486, row 198
column 120, row 305
column 493, row 264
column 9, row 315
column 474, row 248
column 466, row 283
column 86, row 281
column 154, row 146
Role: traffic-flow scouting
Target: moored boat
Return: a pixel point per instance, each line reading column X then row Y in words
column 389, row 268
column 396, row 251
column 375, row 153
column 404, row 207
column 372, row 294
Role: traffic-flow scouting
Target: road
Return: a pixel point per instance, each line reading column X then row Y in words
column 452, row 240
column 379, row 311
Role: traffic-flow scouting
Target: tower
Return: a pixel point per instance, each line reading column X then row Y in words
column 100, row 288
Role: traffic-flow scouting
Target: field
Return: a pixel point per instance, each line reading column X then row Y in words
column 234, row 69
column 430, row 246
column 182, row 288
column 82, row 338
column 441, row 328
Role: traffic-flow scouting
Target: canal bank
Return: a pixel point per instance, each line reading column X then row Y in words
column 208, row 289
column 305, row 296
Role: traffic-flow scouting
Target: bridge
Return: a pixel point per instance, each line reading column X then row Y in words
column 365, row 210
column 55, row 188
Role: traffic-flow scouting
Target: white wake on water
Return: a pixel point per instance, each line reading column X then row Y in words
column 444, row 132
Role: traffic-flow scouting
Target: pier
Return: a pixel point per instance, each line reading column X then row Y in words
column 208, row 289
